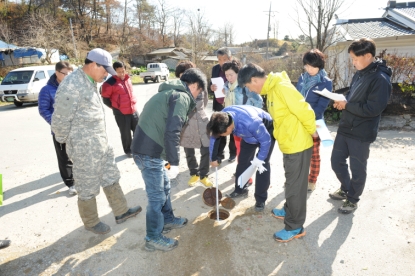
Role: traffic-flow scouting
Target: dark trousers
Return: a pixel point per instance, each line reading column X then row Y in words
column 65, row 164
column 126, row 124
column 358, row 154
column 222, row 144
column 232, row 148
column 262, row 180
column 296, row 168
column 195, row 169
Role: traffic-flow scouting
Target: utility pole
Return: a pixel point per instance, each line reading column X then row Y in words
column 269, row 28
column 73, row 39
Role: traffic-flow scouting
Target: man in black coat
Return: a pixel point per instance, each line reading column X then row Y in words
column 224, row 55
column 368, row 96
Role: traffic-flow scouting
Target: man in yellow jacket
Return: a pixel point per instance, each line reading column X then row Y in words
column 294, row 126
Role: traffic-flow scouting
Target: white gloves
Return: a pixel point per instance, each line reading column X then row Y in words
column 173, row 172
column 258, row 163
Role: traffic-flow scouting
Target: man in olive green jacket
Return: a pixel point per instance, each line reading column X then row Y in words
column 157, row 138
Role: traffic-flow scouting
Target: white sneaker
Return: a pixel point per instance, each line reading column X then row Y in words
column 72, row 190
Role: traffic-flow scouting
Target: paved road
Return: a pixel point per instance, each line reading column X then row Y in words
column 48, row 238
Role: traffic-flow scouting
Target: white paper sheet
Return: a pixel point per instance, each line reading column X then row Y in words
column 219, row 87
column 324, row 133
column 330, row 95
column 246, row 175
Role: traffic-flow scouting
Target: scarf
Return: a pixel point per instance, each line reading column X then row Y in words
column 230, row 96
column 310, row 81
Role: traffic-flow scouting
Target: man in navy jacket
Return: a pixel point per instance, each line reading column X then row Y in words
column 255, row 127
column 46, row 102
column 368, row 97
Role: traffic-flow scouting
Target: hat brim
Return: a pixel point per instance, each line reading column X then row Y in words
column 110, row 70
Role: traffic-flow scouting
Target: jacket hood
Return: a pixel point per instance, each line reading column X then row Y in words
column 177, row 85
column 381, row 65
column 378, row 64
column 53, row 81
column 274, row 79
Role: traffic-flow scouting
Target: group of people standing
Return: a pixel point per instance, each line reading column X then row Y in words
column 176, row 116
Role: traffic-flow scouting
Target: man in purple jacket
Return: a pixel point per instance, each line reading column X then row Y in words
column 255, row 127
column 46, row 101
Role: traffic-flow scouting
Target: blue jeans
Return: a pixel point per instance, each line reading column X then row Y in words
column 159, row 210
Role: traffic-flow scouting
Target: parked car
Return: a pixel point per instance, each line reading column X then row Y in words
column 24, row 84
column 155, row 72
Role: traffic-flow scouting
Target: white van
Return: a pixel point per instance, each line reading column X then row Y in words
column 24, row 84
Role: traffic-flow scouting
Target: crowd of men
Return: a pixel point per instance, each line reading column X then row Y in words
column 73, row 106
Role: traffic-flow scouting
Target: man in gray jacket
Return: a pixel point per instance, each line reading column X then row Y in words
column 79, row 121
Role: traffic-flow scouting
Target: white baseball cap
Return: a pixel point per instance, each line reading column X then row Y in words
column 102, row 57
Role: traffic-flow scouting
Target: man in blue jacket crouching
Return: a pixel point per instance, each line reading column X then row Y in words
column 255, row 127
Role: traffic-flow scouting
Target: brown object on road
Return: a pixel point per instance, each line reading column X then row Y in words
column 209, row 198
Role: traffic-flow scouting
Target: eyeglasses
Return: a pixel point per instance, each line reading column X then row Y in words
column 64, row 73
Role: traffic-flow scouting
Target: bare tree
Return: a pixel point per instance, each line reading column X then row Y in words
column 200, row 34
column 163, row 12
column 44, row 32
column 145, row 17
column 5, row 32
column 177, row 16
column 314, row 18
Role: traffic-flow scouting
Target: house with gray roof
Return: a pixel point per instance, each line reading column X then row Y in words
column 393, row 33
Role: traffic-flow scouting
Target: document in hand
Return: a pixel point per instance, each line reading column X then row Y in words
column 324, row 133
column 246, row 175
column 330, row 95
column 219, row 84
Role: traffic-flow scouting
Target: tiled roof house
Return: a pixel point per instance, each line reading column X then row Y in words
column 393, row 32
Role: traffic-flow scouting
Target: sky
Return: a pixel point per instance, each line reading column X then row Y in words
column 250, row 18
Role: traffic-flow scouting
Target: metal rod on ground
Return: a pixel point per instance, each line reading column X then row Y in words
column 217, row 195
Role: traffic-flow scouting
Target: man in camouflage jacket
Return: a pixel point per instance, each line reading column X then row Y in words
column 79, row 121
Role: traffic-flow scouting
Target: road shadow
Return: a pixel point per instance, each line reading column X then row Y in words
column 52, row 192
column 12, row 107
column 240, row 245
column 79, row 241
column 321, row 246
column 121, row 158
column 40, row 183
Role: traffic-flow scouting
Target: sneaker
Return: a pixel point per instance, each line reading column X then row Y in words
column 235, row 194
column 178, row 222
column 278, row 213
column 193, row 180
column 347, row 207
column 286, row 236
column 162, row 243
column 4, row 243
column 132, row 212
column 72, row 190
column 232, row 159
column 101, row 228
column 205, row 181
column 311, row 187
column 259, row 206
column 338, row 195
